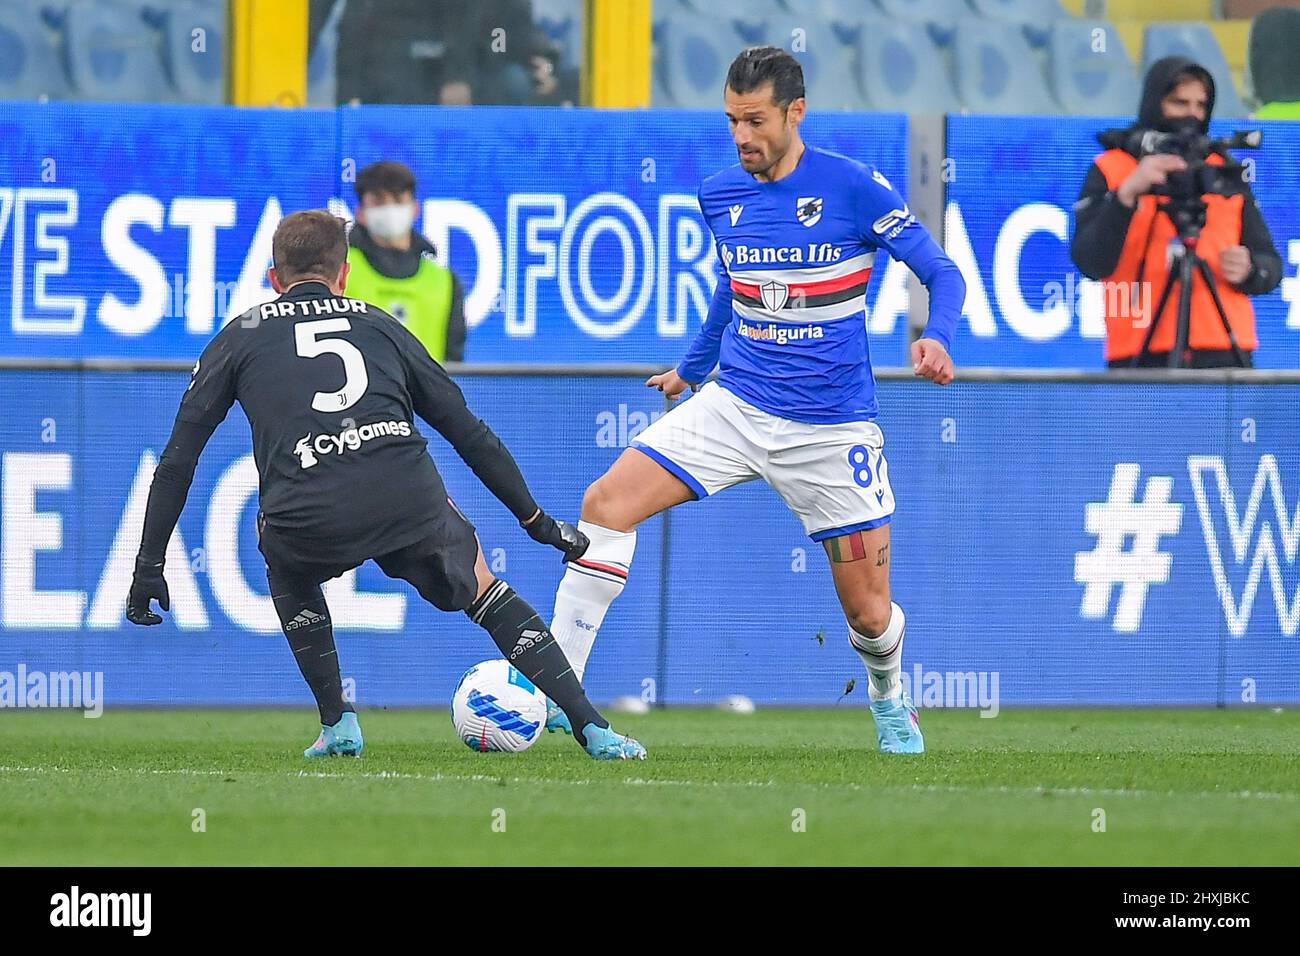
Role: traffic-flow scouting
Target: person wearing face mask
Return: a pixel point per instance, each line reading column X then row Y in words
column 393, row 267
column 1122, row 239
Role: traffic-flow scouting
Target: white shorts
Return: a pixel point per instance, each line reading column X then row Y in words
column 833, row 477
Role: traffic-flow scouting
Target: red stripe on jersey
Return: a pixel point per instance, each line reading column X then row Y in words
column 861, row 277
column 833, row 285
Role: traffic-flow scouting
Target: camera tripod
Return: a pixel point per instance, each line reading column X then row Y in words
column 1188, row 217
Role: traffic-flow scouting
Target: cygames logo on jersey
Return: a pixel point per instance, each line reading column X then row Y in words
column 309, row 447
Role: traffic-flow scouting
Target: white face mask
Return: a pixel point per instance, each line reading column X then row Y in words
column 391, row 221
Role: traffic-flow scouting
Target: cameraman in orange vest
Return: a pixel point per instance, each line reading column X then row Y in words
column 1123, row 239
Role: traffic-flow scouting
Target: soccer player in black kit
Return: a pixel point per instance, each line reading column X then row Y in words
column 330, row 386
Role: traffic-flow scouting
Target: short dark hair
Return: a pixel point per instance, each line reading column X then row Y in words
column 385, row 176
column 767, row 64
column 310, row 243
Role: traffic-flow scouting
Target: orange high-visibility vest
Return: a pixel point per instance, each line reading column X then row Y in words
column 1126, row 305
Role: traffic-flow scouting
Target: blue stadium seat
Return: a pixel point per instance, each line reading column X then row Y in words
column 747, row 17
column 322, row 75
column 561, row 21
column 29, row 61
column 113, row 54
column 1035, row 17
column 1020, row 11
column 691, row 60
column 828, row 73
column 1195, row 41
column 1089, row 77
column 997, row 72
column 901, row 69
column 198, row 76
column 844, row 16
column 924, row 11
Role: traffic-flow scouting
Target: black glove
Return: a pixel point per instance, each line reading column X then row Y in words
column 147, row 585
column 558, row 534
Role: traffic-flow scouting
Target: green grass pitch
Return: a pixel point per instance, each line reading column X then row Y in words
column 1177, row 787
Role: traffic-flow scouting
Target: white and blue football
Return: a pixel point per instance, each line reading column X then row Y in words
column 496, row 708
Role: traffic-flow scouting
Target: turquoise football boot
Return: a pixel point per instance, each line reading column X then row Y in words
column 557, row 719
column 341, row 740
column 897, row 728
column 605, row 744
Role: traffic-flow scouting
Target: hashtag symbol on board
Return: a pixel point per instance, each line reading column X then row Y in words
column 1120, row 517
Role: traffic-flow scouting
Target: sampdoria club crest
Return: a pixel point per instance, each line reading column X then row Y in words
column 808, row 210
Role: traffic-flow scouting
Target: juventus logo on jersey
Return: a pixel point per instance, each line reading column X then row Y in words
column 808, row 210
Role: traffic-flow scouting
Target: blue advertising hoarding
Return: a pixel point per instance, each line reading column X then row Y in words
column 136, row 231
column 1077, row 543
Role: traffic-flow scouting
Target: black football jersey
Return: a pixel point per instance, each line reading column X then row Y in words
column 331, row 386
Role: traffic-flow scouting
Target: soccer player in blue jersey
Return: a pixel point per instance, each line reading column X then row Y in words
column 797, row 230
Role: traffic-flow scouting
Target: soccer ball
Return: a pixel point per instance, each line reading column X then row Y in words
column 496, row 708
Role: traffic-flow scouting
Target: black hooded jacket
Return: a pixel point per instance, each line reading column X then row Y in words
column 1102, row 221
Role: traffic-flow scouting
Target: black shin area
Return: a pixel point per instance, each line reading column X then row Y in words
column 528, row 645
column 300, row 605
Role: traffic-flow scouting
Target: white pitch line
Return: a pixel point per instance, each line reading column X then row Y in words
column 642, row 782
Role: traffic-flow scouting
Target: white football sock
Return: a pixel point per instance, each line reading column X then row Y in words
column 883, row 656
column 588, row 588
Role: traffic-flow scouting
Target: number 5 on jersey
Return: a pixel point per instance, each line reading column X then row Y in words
column 355, row 379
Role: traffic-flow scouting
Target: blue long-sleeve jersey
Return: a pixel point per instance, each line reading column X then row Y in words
column 787, row 324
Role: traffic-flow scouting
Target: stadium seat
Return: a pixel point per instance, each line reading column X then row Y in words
column 561, row 21
column 827, row 62
column 1195, row 41
column 29, row 61
column 1089, row 80
column 691, row 60
column 1019, row 11
column 1130, row 34
column 897, row 69
column 1159, row 9
column 197, row 76
column 747, row 17
column 1035, row 17
column 322, row 62
column 997, row 72
column 112, row 54
column 924, row 11
column 845, row 16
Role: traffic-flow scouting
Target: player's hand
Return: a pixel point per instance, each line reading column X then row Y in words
column 558, row 534
column 147, row 585
column 671, row 384
column 1234, row 264
column 931, row 360
column 1152, row 170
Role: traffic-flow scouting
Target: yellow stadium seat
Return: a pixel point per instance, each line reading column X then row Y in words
column 1232, row 35
column 1074, row 7
column 1159, row 10
column 1130, row 32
